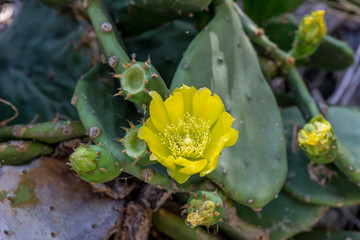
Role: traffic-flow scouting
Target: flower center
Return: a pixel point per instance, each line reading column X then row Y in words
column 187, row 139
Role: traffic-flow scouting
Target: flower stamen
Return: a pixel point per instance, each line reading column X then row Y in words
column 187, row 139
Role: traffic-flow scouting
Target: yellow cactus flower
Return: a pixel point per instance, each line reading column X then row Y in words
column 316, row 137
column 187, row 132
column 312, row 27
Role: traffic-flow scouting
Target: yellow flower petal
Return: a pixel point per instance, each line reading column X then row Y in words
column 222, row 125
column 190, row 167
column 215, row 108
column 175, row 107
column 178, row 176
column 159, row 116
column 206, row 106
column 215, row 147
column 200, row 102
column 154, row 142
column 188, row 93
column 234, row 134
column 151, row 126
column 168, row 162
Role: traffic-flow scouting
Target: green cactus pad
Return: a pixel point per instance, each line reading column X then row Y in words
column 283, row 217
column 339, row 191
column 260, row 12
column 47, row 132
column 328, row 235
column 159, row 45
column 132, row 20
column 41, row 69
column 204, row 208
column 21, row 152
column 94, row 164
column 282, row 29
column 221, row 58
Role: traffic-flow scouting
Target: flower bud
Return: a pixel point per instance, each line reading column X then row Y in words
column 204, row 208
column 311, row 31
column 318, row 141
column 94, row 164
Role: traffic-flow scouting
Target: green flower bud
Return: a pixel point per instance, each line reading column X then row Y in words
column 94, row 163
column 311, row 31
column 204, row 208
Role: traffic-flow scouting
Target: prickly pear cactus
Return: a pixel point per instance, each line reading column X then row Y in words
column 231, row 70
column 215, row 138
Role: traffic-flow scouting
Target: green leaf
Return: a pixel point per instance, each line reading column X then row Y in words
column 221, row 58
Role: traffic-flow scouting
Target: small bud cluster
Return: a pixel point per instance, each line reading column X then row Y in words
column 204, row 208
